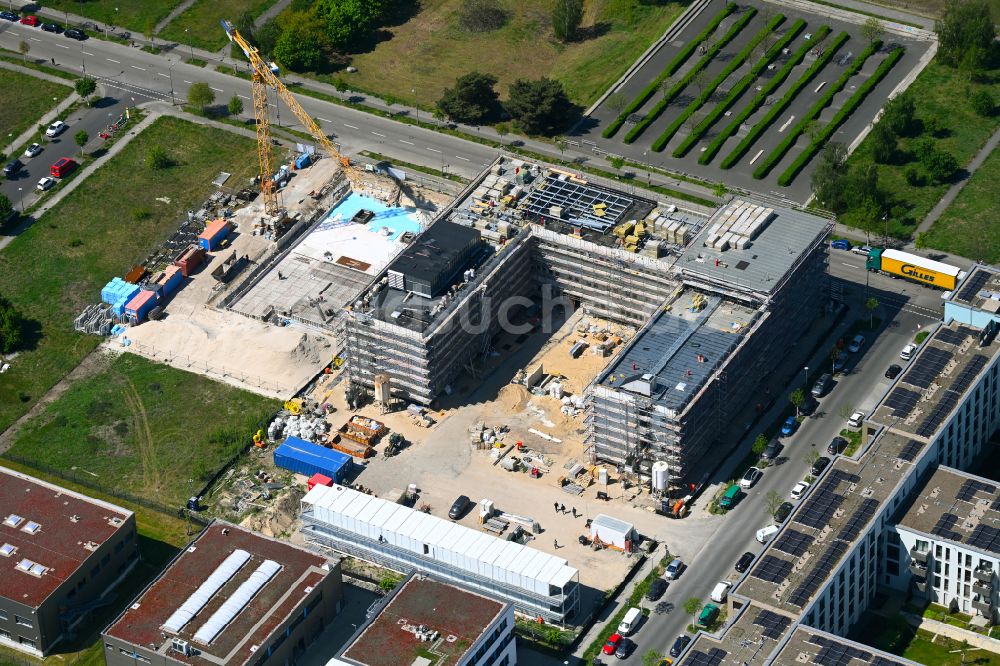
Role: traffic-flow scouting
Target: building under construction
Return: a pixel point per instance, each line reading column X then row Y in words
column 719, row 296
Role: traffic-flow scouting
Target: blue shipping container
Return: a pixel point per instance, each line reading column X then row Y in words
column 306, row 458
column 303, row 160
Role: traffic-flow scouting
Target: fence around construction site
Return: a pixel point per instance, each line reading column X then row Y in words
column 201, row 366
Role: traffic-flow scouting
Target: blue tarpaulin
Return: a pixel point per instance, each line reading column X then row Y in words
column 307, row 458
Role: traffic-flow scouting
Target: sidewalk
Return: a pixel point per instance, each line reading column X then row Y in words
column 14, row 146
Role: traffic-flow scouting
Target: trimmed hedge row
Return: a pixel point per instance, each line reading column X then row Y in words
column 782, row 148
column 772, row 85
column 734, row 64
column 655, row 112
column 738, row 89
column 855, row 100
column 674, row 65
column 779, row 107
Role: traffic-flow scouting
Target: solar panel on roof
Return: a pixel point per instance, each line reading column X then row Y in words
column 967, row 493
column 772, row 569
column 902, row 401
column 928, row 366
column 774, row 625
column 973, row 285
column 839, row 475
column 985, row 537
column 858, row 520
column 833, row 653
column 943, row 527
column 937, row 416
column 793, row 542
column 968, row 374
column 911, row 450
column 818, row 574
column 882, row 661
column 953, row 337
column 713, row 657
column 822, row 504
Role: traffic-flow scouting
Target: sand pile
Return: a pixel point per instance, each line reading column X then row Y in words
column 513, row 397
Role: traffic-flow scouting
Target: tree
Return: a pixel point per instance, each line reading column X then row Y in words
column 6, row 207
column 266, row 37
column 772, row 501
column 812, row 455
column 11, row 324
column 834, row 353
column 502, row 129
column 939, row 164
column 692, row 606
column 539, row 107
column 349, row 23
column 616, row 102
column 920, row 241
column 566, row 18
column 482, row 15
column 983, row 103
column 85, row 87
column 882, row 141
column 616, row 162
column 652, row 658
column 81, row 139
column 200, row 95
column 759, row 444
column 872, row 30
column 303, row 45
column 871, row 305
column 149, row 30
column 965, row 34
column 473, row 99
column 797, row 397
column 899, row 115
column 235, row 106
column 24, row 47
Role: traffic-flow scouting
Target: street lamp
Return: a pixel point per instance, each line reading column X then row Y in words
column 170, row 73
column 20, row 193
column 189, row 43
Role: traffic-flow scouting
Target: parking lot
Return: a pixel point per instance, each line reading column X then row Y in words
column 747, row 46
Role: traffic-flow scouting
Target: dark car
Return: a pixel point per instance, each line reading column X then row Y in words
column 821, row 386
column 808, row 406
column 744, row 562
column 840, row 362
column 772, row 450
column 893, row 371
column 819, row 465
column 460, row 506
column 679, row 645
column 76, row 33
column 656, row 589
column 9, row 16
column 625, row 647
column 13, row 167
column 837, row 445
column 782, row 512
column 52, row 27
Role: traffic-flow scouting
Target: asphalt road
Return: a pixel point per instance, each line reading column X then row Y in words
column 907, row 307
column 134, row 72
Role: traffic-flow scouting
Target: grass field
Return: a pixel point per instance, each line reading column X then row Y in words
column 968, row 227
column 201, row 21
column 941, row 93
column 59, row 264
column 427, row 53
column 932, row 8
column 896, row 636
column 139, row 16
column 143, row 428
column 26, row 99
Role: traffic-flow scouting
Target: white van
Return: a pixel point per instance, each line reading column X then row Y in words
column 630, row 622
column 720, row 592
column 765, row 533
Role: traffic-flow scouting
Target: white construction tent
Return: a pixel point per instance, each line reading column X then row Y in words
column 613, row 532
column 360, row 524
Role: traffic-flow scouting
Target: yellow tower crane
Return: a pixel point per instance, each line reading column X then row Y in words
column 265, row 76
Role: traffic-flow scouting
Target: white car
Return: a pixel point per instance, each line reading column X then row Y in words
column 33, row 150
column 751, row 477
column 46, row 183
column 908, row 352
column 55, row 129
column 856, row 344
column 856, row 419
column 799, row 490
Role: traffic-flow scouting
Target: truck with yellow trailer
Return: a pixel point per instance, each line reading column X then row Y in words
column 912, row 267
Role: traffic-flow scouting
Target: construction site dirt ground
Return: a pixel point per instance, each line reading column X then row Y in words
column 444, row 463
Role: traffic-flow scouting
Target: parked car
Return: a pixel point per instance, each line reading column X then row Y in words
column 612, row 643
column 836, row 445
column 731, row 497
column 783, row 511
column 55, row 129
column 856, row 419
column 799, row 490
column 46, row 183
column 772, row 451
column 893, row 371
column 765, row 534
column 840, row 362
column 857, row 342
column 656, row 589
column 789, row 426
column 31, row 20
column 822, row 385
column 840, row 244
column 13, row 167
column 33, row 150
column 908, row 352
column 459, row 507
column 52, row 27
column 808, row 405
column 62, row 167
column 76, row 33
column 818, row 466
column 630, row 622
column 751, row 477
column 625, row 647
column 680, row 643
column 720, row 592
column 708, row 615
column 8, row 16
column 746, row 559
column 674, row 569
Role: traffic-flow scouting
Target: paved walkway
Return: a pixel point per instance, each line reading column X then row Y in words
column 953, row 632
column 177, row 11
column 14, row 146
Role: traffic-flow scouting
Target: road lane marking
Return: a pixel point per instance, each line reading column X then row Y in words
column 409, row 143
column 217, row 89
column 844, row 263
column 787, row 123
column 757, row 156
column 187, row 82
column 117, row 62
column 377, row 134
column 462, row 158
column 166, row 76
column 433, row 150
column 351, row 126
column 83, row 52
column 34, row 39
column 243, row 96
column 143, row 69
column 819, row 87
column 62, row 46
column 325, row 120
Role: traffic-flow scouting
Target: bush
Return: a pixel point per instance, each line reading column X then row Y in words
column 940, row 165
column 11, row 324
column 661, row 141
column 157, row 159
column 914, row 177
column 674, row 65
column 473, row 99
column 85, row 87
column 482, row 15
column 779, row 107
column 675, row 90
column 983, row 103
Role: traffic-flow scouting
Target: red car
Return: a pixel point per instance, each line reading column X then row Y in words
column 62, row 167
column 612, row 644
column 30, row 20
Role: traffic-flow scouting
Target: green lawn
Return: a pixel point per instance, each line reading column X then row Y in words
column 896, row 636
column 26, row 99
column 138, row 16
column 969, row 226
column 198, row 25
column 143, row 428
column 427, row 53
column 125, row 209
column 942, row 93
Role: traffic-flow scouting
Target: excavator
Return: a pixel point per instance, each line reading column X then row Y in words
column 264, row 76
